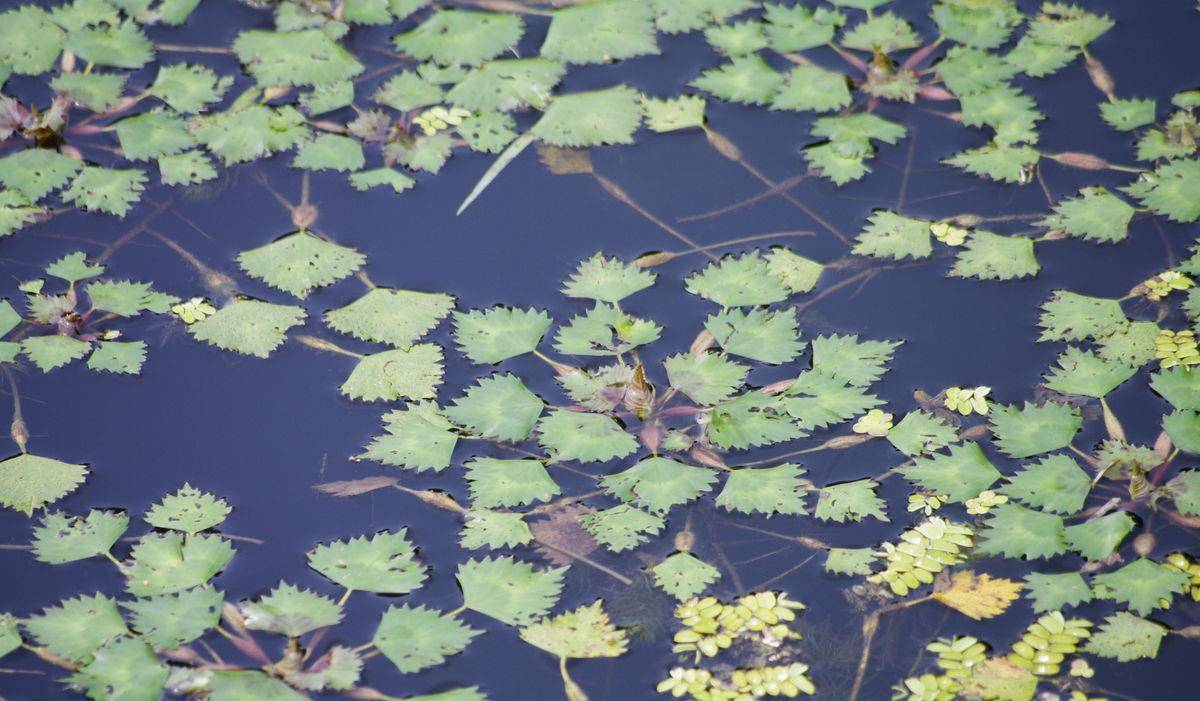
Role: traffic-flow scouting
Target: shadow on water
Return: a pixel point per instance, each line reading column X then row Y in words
column 261, row 434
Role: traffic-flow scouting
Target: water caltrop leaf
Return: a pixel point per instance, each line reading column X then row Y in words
column 766, row 336
column 36, row 172
column 395, row 317
column 1069, row 316
column 885, row 32
column 61, row 538
column 1017, row 532
column 290, row 611
column 818, row 400
column 659, row 483
column 459, row 37
column 606, row 279
column 28, row 482
column 53, row 351
column 966, row 70
column 75, row 628
column 509, row 590
column 1100, row 537
column 1038, row 60
column 492, row 335
column 172, row 620
column 170, row 562
column 988, row 256
column 674, row 114
column 1185, row 490
column 498, row 407
column 1005, row 163
column 850, row 501
column 739, row 281
column 109, row 190
column 812, row 88
column 242, row 685
column 978, row 596
column 126, row 668
column 1084, row 373
column 29, row 40
column 1029, row 430
column 330, row 152
column 850, row 561
column 585, row 633
column 586, row 437
column 890, row 235
column 248, row 326
column 189, row 88
column 676, row 16
column 749, row 420
column 496, row 482
column 683, row 575
column 417, row 437
column 1125, row 637
column 10, row 636
column 622, row 527
column 845, row 357
column 601, row 31
column 121, row 357
column 415, row 638
column 300, row 262
column 746, row 80
column 494, row 529
column 1063, row 24
column 307, row 57
column 1184, row 429
column 1172, row 191
column 188, row 510
column 1142, row 584
column 153, row 135
column 797, row 273
column 386, row 563
column 765, row 490
column 706, row 378
column 1051, row 592
column 594, row 118
column 921, row 432
column 1095, row 215
column 248, row 133
column 508, row 84
column 960, row 474
column 1055, row 483
column 604, row 330
column 401, row 373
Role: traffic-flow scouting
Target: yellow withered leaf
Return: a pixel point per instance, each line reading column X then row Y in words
column 979, row 596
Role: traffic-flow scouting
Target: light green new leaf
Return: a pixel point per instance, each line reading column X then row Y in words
column 1006, row 163
column 1184, row 429
column 1055, row 483
column 658, row 483
column 300, row 262
column 850, row 561
column 495, row 482
column 884, row 32
column 1096, row 215
column 585, row 633
column 74, row 267
column 330, row 152
column 1098, row 538
column 601, row 31
column 766, row 490
column 1173, row 190
column 1141, row 584
column 574, row 435
column 844, row 357
column 675, row 114
column 187, row 88
column 1063, row 24
column 415, row 638
column 175, row 619
column 386, row 563
column 1017, row 532
column 29, row 40
column 153, row 135
column 507, row 84
column 28, row 481
column 1128, row 114
column 509, row 590
column 812, row 88
column 170, row 562
column 10, row 636
column 290, row 611
column 1038, row 60
column 401, row 373
column 248, row 326
column 750, row 420
column 797, row 273
column 594, row 118
column 499, row 407
column 604, row 330
column 960, row 474
column 75, row 628
column 850, row 501
column 417, row 438
column 683, row 575
column 491, row 335
column 61, row 538
column 1029, row 430
column 406, row 91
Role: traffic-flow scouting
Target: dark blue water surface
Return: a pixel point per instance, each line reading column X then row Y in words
column 262, row 433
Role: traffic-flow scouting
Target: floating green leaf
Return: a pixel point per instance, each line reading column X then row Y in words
column 601, row 31
column 1055, row 483
column 290, row 611
column 1024, row 431
column 385, row 563
column 492, row 335
column 248, row 326
column 173, row 620
column 401, row 373
column 961, row 474
column 509, row 590
column 28, row 482
column 586, row 437
column 416, row 638
column 1017, row 532
column 658, row 483
column 499, row 407
column 594, row 118
column 61, row 538
column 683, row 575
